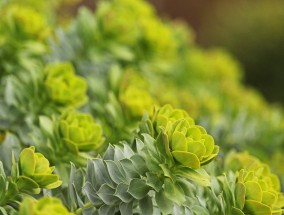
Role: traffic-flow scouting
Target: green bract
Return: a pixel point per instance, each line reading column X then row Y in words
column 44, row 206
column 257, row 189
column 64, row 87
column 80, row 132
column 35, row 172
column 26, row 21
column 137, row 100
column 189, row 144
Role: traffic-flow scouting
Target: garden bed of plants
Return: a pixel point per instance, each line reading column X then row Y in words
column 118, row 111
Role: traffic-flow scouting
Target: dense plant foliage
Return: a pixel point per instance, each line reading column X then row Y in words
column 120, row 112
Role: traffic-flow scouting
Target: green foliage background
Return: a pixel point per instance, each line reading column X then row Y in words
column 87, row 123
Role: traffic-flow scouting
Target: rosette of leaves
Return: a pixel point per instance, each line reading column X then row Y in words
column 26, row 21
column 135, row 94
column 35, row 172
column 26, row 95
column 257, row 189
column 63, row 86
column 80, row 132
column 114, row 182
column 30, row 94
column 28, row 176
column 188, row 144
column 123, row 15
column 151, row 172
column 43, row 206
column 119, row 98
column 73, row 136
column 143, row 35
column 23, row 31
column 130, row 182
column 137, row 101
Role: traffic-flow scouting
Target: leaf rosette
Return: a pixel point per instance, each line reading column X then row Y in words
column 80, row 131
column 187, row 143
column 35, row 172
column 25, row 21
column 64, row 87
column 137, row 100
column 257, row 190
column 44, row 206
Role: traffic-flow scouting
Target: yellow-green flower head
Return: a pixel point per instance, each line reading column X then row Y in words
column 166, row 116
column 122, row 16
column 26, row 21
column 257, row 193
column 163, row 46
column 35, row 172
column 80, row 132
column 44, row 206
column 190, row 145
column 257, row 189
column 137, row 100
column 135, row 94
column 64, row 86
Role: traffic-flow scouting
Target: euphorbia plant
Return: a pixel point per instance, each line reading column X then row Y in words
column 72, row 140
column 29, row 175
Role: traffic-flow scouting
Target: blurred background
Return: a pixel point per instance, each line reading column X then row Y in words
column 253, row 31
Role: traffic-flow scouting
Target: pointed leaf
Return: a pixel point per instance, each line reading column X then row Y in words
column 174, row 192
column 139, row 164
column 107, row 210
column 187, row 159
column 201, row 178
column 100, row 175
column 49, row 181
column 109, row 153
column 164, row 147
column 240, row 192
column 106, row 193
column 129, row 168
column 138, row 188
column 116, row 172
column 26, row 184
column 164, row 204
column 121, row 192
column 146, row 205
column 91, row 194
column 154, row 181
column 126, row 208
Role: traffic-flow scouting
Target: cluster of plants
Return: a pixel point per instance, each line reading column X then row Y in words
column 118, row 111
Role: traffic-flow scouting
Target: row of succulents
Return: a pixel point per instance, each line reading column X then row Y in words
column 118, row 112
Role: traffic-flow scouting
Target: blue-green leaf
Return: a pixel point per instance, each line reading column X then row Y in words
column 146, row 205
column 138, row 188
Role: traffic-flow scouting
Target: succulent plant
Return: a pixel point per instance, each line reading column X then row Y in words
column 25, row 21
column 43, row 206
column 63, row 86
column 80, row 132
column 257, row 189
column 189, row 144
column 137, row 100
column 35, row 172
